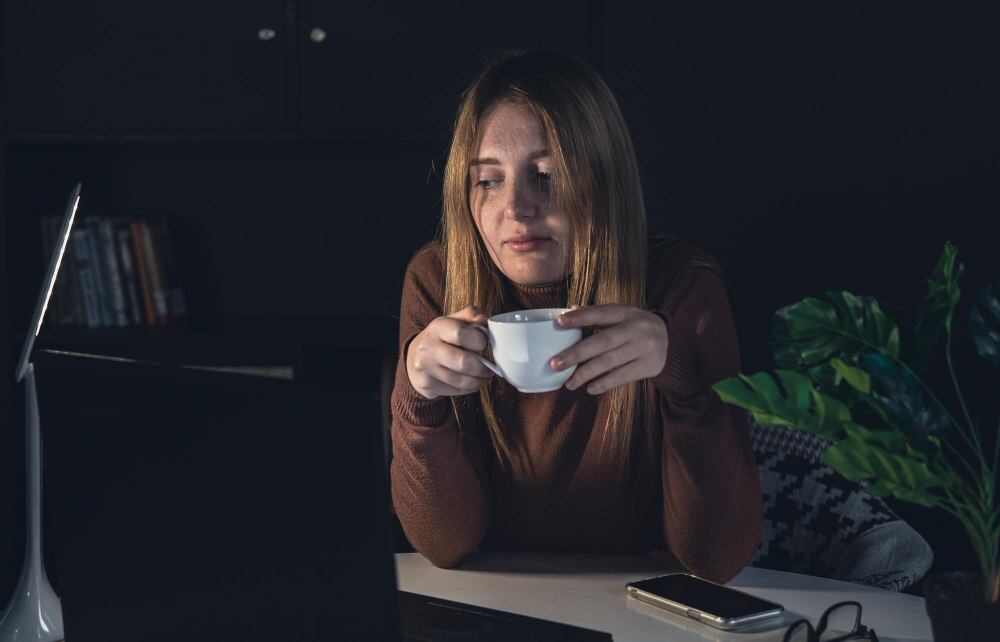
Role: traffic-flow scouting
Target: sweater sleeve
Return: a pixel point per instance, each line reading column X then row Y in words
column 712, row 502
column 441, row 503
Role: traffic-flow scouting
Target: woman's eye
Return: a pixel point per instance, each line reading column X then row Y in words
column 489, row 184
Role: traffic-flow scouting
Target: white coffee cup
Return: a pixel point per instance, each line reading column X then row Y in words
column 523, row 342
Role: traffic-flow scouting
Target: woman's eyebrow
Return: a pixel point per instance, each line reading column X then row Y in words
column 493, row 161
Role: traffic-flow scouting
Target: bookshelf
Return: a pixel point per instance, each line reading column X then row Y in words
column 298, row 176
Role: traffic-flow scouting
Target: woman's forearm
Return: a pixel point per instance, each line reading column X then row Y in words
column 712, row 502
column 440, row 501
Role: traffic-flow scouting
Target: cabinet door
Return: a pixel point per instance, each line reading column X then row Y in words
column 121, row 66
column 400, row 68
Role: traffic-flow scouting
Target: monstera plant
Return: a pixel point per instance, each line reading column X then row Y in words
column 847, row 375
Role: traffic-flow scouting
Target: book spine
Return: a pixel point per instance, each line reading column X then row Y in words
column 155, row 275
column 81, row 252
column 74, row 287
column 109, row 253
column 167, row 261
column 140, row 262
column 98, row 265
column 128, row 269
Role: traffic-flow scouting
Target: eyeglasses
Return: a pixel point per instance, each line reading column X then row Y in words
column 843, row 620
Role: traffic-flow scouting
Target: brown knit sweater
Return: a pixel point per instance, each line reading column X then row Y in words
column 694, row 490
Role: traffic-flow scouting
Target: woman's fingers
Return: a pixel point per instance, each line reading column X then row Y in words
column 617, row 377
column 602, row 363
column 460, row 381
column 606, row 314
column 589, row 348
column 457, row 331
column 462, row 361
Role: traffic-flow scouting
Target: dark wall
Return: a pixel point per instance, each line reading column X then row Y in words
column 824, row 146
column 808, row 146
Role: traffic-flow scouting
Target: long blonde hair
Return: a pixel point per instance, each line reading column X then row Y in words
column 595, row 183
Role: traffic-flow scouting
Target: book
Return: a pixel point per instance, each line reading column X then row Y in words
column 167, row 263
column 139, row 252
column 84, row 271
column 74, row 309
column 129, row 271
column 155, row 272
column 116, row 272
column 109, row 254
column 99, row 267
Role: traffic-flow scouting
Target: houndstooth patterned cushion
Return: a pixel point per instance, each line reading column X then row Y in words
column 819, row 523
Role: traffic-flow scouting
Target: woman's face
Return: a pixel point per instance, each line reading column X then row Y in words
column 510, row 198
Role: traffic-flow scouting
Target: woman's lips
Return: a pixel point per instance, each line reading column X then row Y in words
column 527, row 246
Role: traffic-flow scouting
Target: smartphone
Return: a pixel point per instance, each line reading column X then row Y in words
column 704, row 601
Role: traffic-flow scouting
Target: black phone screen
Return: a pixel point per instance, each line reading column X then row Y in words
column 705, row 596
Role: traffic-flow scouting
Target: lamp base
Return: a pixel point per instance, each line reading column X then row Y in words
column 34, row 612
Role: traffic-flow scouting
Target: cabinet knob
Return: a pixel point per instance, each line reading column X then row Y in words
column 317, row 35
column 266, row 34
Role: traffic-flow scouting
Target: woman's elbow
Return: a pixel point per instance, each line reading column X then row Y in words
column 445, row 556
column 744, row 546
column 719, row 559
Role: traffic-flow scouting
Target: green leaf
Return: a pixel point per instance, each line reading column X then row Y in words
column 800, row 407
column 889, row 440
column 882, row 456
column 812, row 331
column 736, row 392
column 935, row 313
column 856, row 377
column 986, row 324
column 831, row 383
column 898, row 393
column 884, row 488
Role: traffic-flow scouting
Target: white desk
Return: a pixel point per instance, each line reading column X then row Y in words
column 589, row 591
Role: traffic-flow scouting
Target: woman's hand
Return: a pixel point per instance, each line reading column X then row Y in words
column 632, row 345
column 441, row 360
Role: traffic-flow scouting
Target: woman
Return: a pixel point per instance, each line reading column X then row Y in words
column 543, row 208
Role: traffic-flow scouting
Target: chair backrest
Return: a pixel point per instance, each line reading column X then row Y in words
column 820, row 523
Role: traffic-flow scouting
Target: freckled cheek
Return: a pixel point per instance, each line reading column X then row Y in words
column 489, row 227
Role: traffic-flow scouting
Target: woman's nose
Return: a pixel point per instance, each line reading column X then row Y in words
column 521, row 202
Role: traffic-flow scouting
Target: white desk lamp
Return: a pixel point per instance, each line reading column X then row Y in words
column 34, row 612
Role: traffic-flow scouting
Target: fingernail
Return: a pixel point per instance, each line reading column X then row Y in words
column 558, row 364
column 564, row 320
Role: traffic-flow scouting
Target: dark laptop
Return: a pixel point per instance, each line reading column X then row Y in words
column 195, row 505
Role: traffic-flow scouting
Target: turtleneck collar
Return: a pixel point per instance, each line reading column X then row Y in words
column 526, row 297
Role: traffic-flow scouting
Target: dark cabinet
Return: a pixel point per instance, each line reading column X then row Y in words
column 284, row 67
column 387, row 66
column 120, row 66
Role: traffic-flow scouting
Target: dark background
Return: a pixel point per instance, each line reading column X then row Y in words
column 807, row 146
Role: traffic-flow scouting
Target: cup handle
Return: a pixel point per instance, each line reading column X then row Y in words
column 484, row 360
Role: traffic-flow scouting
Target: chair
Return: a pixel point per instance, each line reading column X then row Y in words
column 819, row 523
